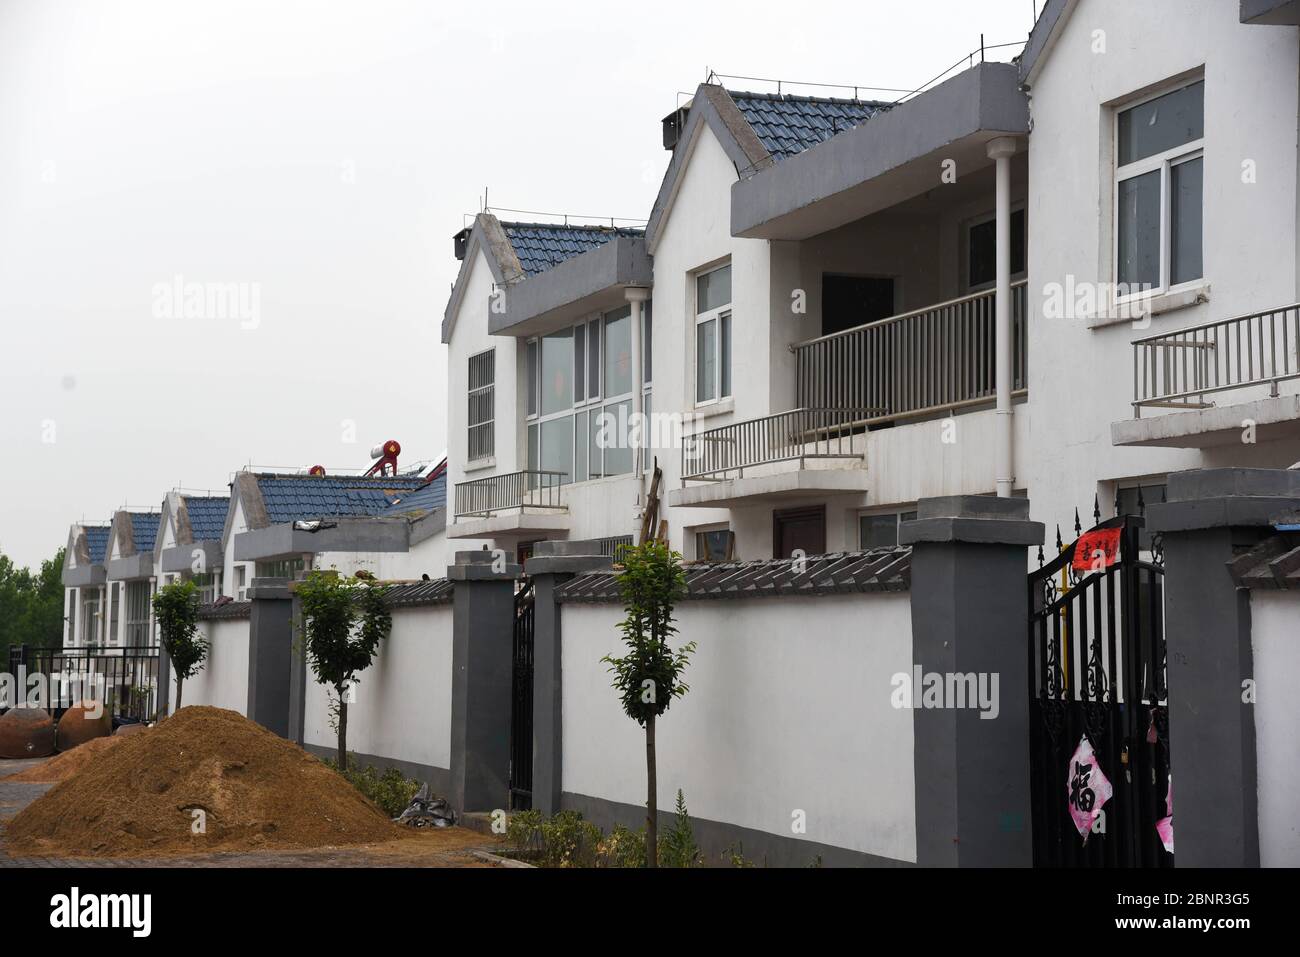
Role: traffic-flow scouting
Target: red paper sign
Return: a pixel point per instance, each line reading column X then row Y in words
column 1097, row 549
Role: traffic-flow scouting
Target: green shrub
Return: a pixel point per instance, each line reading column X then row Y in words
column 677, row 848
column 569, row 841
column 389, row 790
column 524, row 832
column 623, row 847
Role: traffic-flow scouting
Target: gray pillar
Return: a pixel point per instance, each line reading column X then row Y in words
column 164, row 680
column 299, row 675
column 553, row 563
column 270, row 653
column 1209, row 516
column 970, row 615
column 482, row 643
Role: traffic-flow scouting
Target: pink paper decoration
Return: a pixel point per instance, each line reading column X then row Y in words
column 1086, row 787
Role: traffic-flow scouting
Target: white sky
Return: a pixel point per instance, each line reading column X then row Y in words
column 326, row 151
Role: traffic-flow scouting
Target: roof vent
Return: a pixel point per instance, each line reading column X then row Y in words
column 461, row 240
column 674, row 123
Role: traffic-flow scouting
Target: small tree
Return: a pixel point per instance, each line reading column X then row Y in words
column 176, row 609
column 342, row 623
column 648, row 677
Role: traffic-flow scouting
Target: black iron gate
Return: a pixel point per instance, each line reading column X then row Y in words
column 521, row 703
column 126, row 678
column 1097, row 675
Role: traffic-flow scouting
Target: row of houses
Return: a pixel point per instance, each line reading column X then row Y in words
column 270, row 525
column 1064, row 277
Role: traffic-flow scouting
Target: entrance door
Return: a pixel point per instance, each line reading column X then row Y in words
column 799, row 528
column 849, row 301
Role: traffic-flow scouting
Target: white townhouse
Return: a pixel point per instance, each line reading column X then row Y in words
column 131, row 579
column 1017, row 282
column 85, row 585
column 189, row 541
column 1163, row 213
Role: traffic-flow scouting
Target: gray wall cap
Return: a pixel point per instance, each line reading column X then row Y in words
column 1222, row 498
column 275, row 589
column 975, row 519
column 477, row 566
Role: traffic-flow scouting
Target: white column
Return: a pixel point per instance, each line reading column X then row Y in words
column 70, row 618
column 636, row 295
column 103, row 614
column 153, row 590
column 1001, row 150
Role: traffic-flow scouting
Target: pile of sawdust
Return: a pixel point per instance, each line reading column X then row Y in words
column 65, row 765
column 137, row 798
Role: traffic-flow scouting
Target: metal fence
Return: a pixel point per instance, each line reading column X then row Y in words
column 1178, row 369
column 940, row 357
column 531, row 488
column 787, row 436
column 127, row 678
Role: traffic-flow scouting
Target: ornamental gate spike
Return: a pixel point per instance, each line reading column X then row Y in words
column 1096, row 509
column 1060, row 546
column 1078, row 526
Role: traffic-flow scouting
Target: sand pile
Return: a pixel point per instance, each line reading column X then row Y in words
column 64, row 765
column 138, row 796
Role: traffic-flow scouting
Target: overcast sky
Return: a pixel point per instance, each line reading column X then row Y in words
column 322, row 155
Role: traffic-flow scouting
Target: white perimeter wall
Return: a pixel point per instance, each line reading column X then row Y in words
column 403, row 701
column 223, row 681
column 779, row 717
column 1275, row 635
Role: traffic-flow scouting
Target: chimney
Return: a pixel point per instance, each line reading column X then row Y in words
column 461, row 240
column 674, row 123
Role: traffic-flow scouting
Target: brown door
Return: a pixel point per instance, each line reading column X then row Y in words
column 799, row 528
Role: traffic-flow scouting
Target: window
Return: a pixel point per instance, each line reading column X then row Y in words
column 579, row 403
column 1158, row 191
column 713, row 335
column 241, row 581
column 284, row 568
column 982, row 249
column 880, row 529
column 482, row 405
column 715, row 545
column 72, row 616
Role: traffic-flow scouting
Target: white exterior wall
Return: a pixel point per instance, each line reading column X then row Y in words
column 777, row 719
column 223, row 680
column 431, row 557
column 469, row 336
column 1081, row 378
column 1275, row 626
column 696, row 234
column 403, row 701
column 237, row 525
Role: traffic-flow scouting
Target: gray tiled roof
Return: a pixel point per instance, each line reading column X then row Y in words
column 787, row 125
column 883, row 569
column 436, row 591
column 1273, row 563
column 421, row 501
column 226, row 609
column 541, row 246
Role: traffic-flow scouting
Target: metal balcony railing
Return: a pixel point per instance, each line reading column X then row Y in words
column 787, row 436
column 931, row 359
column 531, row 488
column 1177, row 370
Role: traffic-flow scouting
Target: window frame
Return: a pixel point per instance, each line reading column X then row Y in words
column 718, row 314
column 472, row 391
column 1019, row 206
column 895, row 511
column 593, row 401
column 1164, row 163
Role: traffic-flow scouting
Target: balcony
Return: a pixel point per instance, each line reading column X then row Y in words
column 1243, row 361
column 513, row 505
column 939, row 360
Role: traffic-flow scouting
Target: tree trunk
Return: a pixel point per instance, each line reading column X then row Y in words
column 180, row 683
column 652, row 802
column 343, row 731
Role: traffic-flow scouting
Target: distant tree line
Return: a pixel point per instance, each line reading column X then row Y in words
column 31, row 605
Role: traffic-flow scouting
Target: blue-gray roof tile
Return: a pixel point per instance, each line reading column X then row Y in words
column 423, row 500
column 207, row 516
column 292, row 498
column 541, row 246
column 144, row 530
column 787, row 125
column 97, row 542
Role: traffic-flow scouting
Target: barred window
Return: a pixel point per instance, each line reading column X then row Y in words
column 482, row 402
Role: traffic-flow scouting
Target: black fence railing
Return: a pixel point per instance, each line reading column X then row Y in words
column 127, row 679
